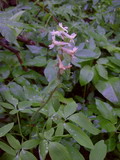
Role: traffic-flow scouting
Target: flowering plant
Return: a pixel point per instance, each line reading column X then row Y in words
column 65, row 46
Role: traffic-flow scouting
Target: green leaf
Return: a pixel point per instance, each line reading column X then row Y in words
column 86, row 54
column 84, row 122
column 70, row 108
column 43, row 149
column 48, row 134
column 78, row 135
column 38, row 61
column 16, row 90
column 74, row 153
column 51, row 70
column 5, row 129
column 100, row 148
column 4, row 90
column 29, row 144
column 24, row 105
column 4, row 71
column 16, row 16
column 109, row 89
column 6, row 105
column 8, row 33
column 34, row 49
column 59, row 130
column 58, row 152
column 25, row 155
column 14, row 143
column 106, row 110
column 106, row 125
column 86, row 75
column 102, row 71
column 7, row 156
column 7, row 149
column 111, row 144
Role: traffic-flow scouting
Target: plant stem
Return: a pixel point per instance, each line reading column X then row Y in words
column 35, row 114
column 19, row 125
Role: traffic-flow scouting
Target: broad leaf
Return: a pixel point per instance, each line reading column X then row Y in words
column 84, row 122
column 58, row 152
column 80, row 136
column 4, row 90
column 106, row 110
column 38, row 61
column 99, row 152
column 86, row 75
column 29, row 144
column 6, row 105
column 70, row 108
column 102, row 71
column 43, row 149
column 7, row 149
column 14, row 143
column 25, row 155
column 5, row 129
column 110, row 89
column 74, row 153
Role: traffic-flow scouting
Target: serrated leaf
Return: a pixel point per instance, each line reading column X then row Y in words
column 80, row 136
column 58, row 152
column 14, row 143
column 5, row 129
column 86, row 75
column 84, row 122
column 43, row 149
column 29, row 144
column 100, row 148
column 7, row 149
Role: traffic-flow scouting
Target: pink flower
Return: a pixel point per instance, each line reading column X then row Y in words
column 61, row 66
column 69, row 51
column 57, row 43
column 63, row 28
column 72, row 36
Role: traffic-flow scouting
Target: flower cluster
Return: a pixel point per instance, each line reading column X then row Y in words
column 66, row 45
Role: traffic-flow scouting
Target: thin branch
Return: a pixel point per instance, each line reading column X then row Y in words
column 29, row 41
column 6, row 45
column 47, row 10
column 42, row 106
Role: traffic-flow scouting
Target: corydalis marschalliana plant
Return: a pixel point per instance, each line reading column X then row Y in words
column 66, row 45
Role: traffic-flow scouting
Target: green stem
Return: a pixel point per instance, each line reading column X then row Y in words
column 84, row 92
column 35, row 114
column 19, row 125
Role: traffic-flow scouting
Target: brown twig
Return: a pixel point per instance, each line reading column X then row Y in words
column 29, row 41
column 6, row 45
column 47, row 10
